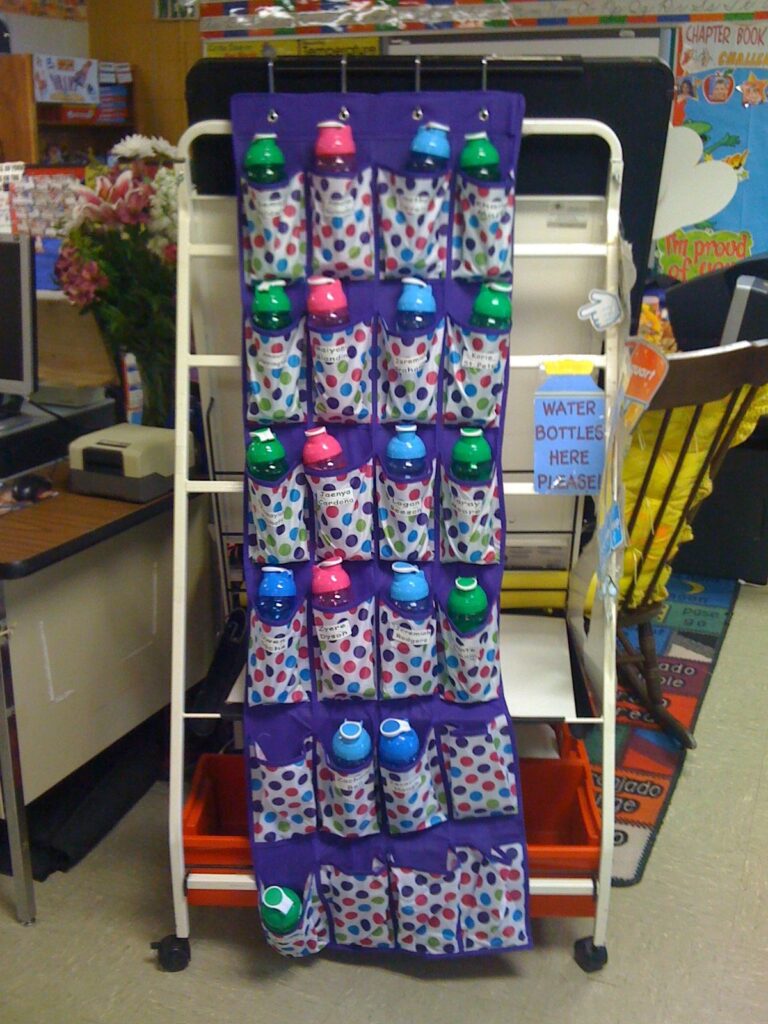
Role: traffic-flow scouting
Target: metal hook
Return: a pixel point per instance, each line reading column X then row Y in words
column 271, row 76
column 417, row 74
column 484, row 114
column 273, row 116
column 484, row 80
column 343, row 74
column 344, row 114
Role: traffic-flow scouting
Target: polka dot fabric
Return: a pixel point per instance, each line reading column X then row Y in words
column 342, row 224
column 406, row 518
column 347, row 800
column 282, row 796
column 277, row 530
column 493, row 904
column 483, row 218
column 426, row 911
column 475, row 370
column 344, row 652
column 413, row 223
column 409, row 369
column 276, row 375
column 415, row 798
column 311, row 934
column 359, row 905
column 278, row 661
column 275, row 235
column 343, row 507
column 479, row 768
column 407, row 655
column 469, row 665
column 341, row 374
column 470, row 521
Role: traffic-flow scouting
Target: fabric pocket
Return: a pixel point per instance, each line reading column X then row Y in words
column 480, row 770
column 408, row 654
column 409, row 369
column 347, row 799
column 492, row 892
column 426, row 910
column 415, row 797
column 277, row 528
column 283, row 796
column 475, row 368
column 278, row 660
column 274, row 237
column 311, row 934
column 344, row 652
column 341, row 373
column 413, row 223
column 343, row 506
column 406, row 518
column 483, row 218
column 470, row 521
column 469, row 665
column 359, row 905
column 342, row 224
column 276, row 374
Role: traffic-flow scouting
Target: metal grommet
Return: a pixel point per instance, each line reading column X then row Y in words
column 417, row 114
column 343, row 114
column 273, row 116
column 484, row 114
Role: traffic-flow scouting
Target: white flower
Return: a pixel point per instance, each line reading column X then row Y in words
column 163, row 217
column 163, row 148
column 133, row 147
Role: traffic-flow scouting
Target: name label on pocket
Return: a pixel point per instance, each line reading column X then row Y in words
column 413, row 637
column 274, row 643
column 466, row 506
column 405, row 507
column 492, row 207
column 334, row 631
column 349, row 784
column 274, row 516
column 414, row 204
column 409, row 364
column 268, row 357
column 338, row 206
column 342, row 496
column 268, row 205
column 484, row 360
column 330, row 354
column 407, row 782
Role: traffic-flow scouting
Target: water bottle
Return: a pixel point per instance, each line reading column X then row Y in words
column 265, row 457
column 416, row 307
column 334, row 148
column 398, row 744
column 326, row 303
column 472, row 458
column 271, row 309
column 277, row 589
column 480, row 158
column 493, row 307
column 430, row 148
column 331, row 586
column 322, row 451
column 405, row 457
column 280, row 909
column 467, row 604
column 409, row 590
column 264, row 163
column 351, row 746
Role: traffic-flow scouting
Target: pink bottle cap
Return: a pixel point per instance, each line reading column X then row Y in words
column 319, row 446
column 326, row 295
column 329, row 576
column 334, row 139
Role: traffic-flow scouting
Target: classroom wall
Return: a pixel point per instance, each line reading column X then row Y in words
column 55, row 37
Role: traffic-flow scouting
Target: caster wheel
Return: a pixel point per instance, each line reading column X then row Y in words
column 173, row 954
column 588, row 956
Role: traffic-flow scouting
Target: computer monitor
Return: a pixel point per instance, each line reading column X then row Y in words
column 18, row 349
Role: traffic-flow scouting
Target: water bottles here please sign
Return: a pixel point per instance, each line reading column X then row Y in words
column 569, row 433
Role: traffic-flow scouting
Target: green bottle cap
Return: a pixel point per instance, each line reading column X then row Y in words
column 263, row 152
column 271, row 297
column 493, row 302
column 467, row 598
column 264, row 450
column 280, row 909
column 478, row 152
column 471, row 447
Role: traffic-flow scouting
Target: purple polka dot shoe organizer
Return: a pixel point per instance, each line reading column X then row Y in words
column 429, row 858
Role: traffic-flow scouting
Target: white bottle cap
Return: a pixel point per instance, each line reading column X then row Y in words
column 466, row 583
column 276, row 899
column 394, row 727
column 266, row 285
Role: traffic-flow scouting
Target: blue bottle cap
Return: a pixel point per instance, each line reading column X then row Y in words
column 351, row 743
column 398, row 742
column 406, row 444
column 408, row 583
column 276, row 582
column 432, row 139
column 416, row 297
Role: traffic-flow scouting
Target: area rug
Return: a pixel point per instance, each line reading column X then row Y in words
column 689, row 634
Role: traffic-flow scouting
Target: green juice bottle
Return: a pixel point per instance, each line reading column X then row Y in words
column 467, row 604
column 280, row 909
column 472, row 458
column 265, row 457
column 264, row 163
column 271, row 309
column 480, row 158
column 493, row 307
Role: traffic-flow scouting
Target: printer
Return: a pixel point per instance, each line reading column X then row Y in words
column 125, row 461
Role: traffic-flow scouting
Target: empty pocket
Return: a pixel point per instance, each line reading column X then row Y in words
column 347, row 799
column 408, row 654
column 408, row 374
column 276, row 374
column 282, row 795
column 413, row 223
column 277, row 528
column 344, row 651
column 359, row 906
column 342, row 224
column 415, row 797
column 469, row 664
column 406, row 518
column 470, row 521
column 311, row 933
column 274, row 239
column 343, row 507
column 483, row 218
column 426, row 910
column 479, row 762
column 278, row 660
column 341, row 373
column 475, row 369
column 492, row 890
